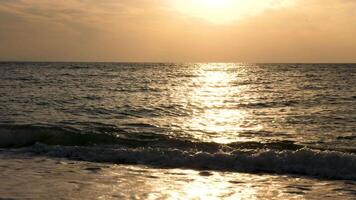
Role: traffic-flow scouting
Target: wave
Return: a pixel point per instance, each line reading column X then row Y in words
column 26, row 135
column 322, row 164
column 110, row 144
column 16, row 136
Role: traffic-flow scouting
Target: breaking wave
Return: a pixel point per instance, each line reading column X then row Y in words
column 323, row 164
column 113, row 145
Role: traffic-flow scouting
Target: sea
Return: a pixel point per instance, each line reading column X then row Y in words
column 177, row 131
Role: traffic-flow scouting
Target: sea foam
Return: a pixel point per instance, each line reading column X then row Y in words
column 323, row 164
column 282, row 157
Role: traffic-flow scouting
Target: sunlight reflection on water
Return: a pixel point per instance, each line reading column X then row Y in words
column 213, row 116
column 102, row 181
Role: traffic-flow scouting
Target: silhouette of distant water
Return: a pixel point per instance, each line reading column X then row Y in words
column 281, row 118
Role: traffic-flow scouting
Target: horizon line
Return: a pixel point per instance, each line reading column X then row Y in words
column 169, row 62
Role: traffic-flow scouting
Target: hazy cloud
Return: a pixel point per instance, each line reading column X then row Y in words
column 152, row 30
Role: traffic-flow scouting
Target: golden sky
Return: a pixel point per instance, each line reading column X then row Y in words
column 178, row 30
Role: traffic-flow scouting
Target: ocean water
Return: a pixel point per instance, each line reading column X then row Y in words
column 177, row 131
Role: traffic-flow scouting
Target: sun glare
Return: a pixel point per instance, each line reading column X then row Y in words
column 226, row 11
column 212, row 4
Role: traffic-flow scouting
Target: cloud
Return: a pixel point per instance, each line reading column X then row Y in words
column 153, row 30
column 227, row 11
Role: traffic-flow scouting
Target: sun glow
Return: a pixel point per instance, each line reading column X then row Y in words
column 213, row 4
column 227, row 11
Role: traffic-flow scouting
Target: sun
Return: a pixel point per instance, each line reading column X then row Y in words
column 212, row 4
column 226, row 11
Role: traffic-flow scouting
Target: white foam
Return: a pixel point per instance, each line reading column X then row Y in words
column 324, row 164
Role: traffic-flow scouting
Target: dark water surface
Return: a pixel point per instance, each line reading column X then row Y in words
column 279, row 118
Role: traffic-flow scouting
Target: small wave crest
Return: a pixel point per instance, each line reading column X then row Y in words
column 323, row 164
column 17, row 136
column 13, row 136
column 114, row 146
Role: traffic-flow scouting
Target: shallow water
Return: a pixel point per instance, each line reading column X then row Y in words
column 285, row 119
column 31, row 177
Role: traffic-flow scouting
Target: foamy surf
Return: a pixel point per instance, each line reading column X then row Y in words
column 281, row 157
column 323, row 164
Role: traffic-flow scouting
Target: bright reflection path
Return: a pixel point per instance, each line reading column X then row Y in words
column 215, row 187
column 214, row 98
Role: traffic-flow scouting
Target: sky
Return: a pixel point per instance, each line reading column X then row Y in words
column 178, row 30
